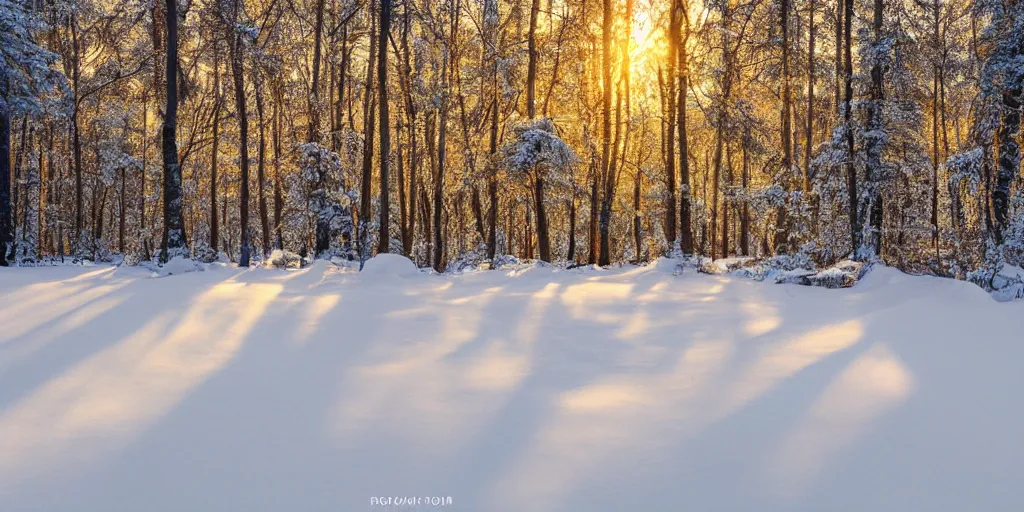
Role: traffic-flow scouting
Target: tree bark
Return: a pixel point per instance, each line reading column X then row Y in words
column 174, row 229
column 261, row 165
column 606, row 132
column 237, row 70
column 543, row 241
column 214, row 151
column 366, row 183
column 782, row 223
column 685, row 215
column 314, row 86
column 809, row 135
column 851, row 171
column 670, row 113
column 6, row 235
column 385, row 126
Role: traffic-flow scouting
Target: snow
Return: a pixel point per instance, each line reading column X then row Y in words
column 627, row 388
column 388, row 265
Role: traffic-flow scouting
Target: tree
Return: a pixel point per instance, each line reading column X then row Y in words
column 173, row 242
column 385, row 127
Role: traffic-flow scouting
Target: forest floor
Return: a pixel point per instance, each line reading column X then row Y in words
column 530, row 390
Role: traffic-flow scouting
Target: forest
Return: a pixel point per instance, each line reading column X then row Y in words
column 465, row 132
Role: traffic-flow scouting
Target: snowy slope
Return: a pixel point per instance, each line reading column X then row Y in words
column 537, row 390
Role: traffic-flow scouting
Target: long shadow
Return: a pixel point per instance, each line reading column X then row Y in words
column 27, row 370
column 261, row 423
column 58, row 423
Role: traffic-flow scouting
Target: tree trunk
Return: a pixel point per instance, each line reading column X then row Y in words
column 1009, row 158
column 237, row 70
column 782, row 224
column 409, row 235
column 851, row 171
column 606, row 131
column 76, row 136
column 214, row 151
column 173, row 240
column 571, row 253
column 637, row 234
column 840, row 73
column 543, row 241
column 491, row 29
column 261, row 166
column 385, row 127
column 6, row 234
column 366, row 183
column 745, row 216
column 685, row 215
column 674, row 47
column 314, row 86
column 442, row 153
column 278, row 196
column 873, row 167
column 809, row 135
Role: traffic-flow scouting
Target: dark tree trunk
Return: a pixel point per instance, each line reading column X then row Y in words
column 1009, row 158
column 385, row 134
column 685, row 215
column 840, row 73
column 278, row 196
column 261, row 166
column 782, row 222
column 714, row 189
column 409, row 234
column 543, row 241
column 6, row 234
column 745, row 216
column 670, row 113
column 531, row 66
column 592, row 257
column 366, row 182
column 873, row 167
column 173, row 239
column 214, row 150
column 314, row 86
column 606, row 132
column 851, row 171
column 76, row 136
column 237, row 70
column 637, row 234
column 492, row 182
column 809, row 135
column 442, row 149
column 571, row 255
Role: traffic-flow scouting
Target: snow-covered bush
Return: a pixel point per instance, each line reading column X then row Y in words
column 284, row 259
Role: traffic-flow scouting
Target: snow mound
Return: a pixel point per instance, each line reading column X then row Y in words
column 667, row 265
column 385, row 265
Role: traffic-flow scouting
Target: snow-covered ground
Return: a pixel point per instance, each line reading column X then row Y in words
column 533, row 390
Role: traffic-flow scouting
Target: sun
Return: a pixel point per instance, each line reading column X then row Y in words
column 644, row 39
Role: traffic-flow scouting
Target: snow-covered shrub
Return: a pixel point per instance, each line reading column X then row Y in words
column 284, row 259
column 469, row 259
column 322, row 185
column 841, row 275
column 202, row 252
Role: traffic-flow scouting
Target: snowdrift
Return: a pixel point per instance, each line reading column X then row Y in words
column 388, row 265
